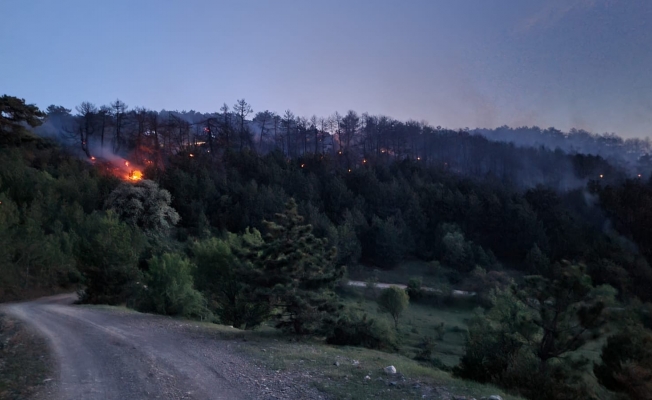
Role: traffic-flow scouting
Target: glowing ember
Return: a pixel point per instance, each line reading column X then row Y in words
column 601, row 176
column 126, row 163
column 92, row 158
column 303, row 165
column 192, row 155
column 135, row 175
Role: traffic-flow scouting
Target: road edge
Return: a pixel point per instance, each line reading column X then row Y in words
column 26, row 361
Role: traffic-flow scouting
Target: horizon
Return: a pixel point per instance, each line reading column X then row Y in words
column 564, row 64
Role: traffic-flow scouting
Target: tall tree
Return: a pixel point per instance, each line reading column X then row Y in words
column 13, row 113
column 288, row 123
column 302, row 133
column 155, row 130
column 140, row 117
column 218, row 262
column 567, row 310
column 295, row 272
column 350, row 125
column 225, row 126
column 119, row 111
column 528, row 338
column 264, row 118
column 104, row 119
column 86, row 123
column 277, row 124
column 337, row 123
column 242, row 110
column 315, row 133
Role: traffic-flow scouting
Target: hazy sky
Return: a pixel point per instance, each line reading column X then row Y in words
column 455, row 63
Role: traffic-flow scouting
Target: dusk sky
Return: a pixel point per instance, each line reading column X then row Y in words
column 455, row 63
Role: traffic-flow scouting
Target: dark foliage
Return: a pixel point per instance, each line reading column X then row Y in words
column 295, row 273
column 627, row 363
column 353, row 329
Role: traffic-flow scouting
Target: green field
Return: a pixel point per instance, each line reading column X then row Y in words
column 419, row 320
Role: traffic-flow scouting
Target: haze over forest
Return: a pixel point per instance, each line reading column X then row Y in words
column 546, row 156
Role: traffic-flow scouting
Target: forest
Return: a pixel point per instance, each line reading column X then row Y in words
column 244, row 219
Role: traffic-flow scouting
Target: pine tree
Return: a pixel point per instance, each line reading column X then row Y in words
column 14, row 113
column 295, row 272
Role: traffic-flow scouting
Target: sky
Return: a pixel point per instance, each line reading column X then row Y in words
column 583, row 64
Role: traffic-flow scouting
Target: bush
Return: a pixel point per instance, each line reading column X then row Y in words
column 434, row 268
column 352, row 329
column 371, row 287
column 627, row 363
column 426, row 347
column 414, row 289
column 488, row 353
column 170, row 288
column 440, row 331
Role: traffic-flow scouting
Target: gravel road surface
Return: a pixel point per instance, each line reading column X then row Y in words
column 114, row 354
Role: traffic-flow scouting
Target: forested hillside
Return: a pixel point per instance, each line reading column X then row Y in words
column 250, row 221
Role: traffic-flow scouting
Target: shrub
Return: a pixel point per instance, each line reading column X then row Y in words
column 414, row 289
column 627, row 363
column 353, row 329
column 434, row 268
column 488, row 352
column 436, row 362
column 170, row 288
column 440, row 331
column 426, row 347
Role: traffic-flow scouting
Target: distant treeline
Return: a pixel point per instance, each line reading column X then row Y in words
column 523, row 157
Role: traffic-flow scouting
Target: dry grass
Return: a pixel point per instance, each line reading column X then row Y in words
column 25, row 362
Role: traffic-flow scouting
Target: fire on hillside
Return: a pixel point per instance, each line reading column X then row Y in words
column 119, row 168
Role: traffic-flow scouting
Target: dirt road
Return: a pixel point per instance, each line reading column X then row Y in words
column 455, row 293
column 114, row 354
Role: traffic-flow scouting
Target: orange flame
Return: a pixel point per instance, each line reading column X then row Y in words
column 135, row 175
